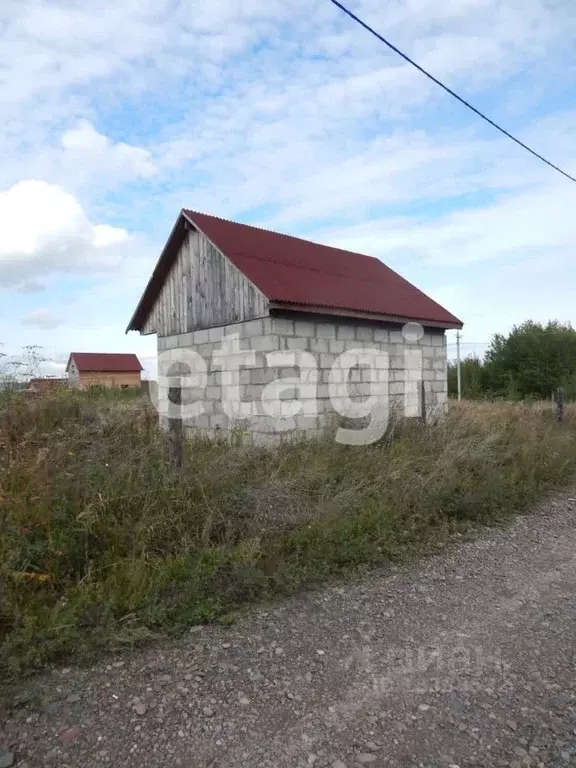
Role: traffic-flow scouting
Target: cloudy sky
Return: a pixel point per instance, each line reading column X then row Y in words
column 285, row 114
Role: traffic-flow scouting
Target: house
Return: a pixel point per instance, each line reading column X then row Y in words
column 104, row 369
column 215, row 278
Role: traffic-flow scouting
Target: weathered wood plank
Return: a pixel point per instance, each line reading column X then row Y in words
column 203, row 290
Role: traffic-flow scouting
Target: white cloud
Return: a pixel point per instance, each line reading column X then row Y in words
column 96, row 154
column 290, row 115
column 44, row 230
column 43, row 318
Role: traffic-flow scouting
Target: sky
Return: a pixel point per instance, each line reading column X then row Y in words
column 287, row 115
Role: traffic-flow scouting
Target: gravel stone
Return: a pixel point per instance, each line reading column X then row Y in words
column 6, row 758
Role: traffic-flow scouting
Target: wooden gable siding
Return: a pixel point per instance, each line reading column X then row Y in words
column 203, row 290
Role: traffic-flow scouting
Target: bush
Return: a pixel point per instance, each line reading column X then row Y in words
column 102, row 545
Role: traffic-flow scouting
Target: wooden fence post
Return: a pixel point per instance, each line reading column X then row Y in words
column 423, row 400
column 560, row 403
column 175, row 425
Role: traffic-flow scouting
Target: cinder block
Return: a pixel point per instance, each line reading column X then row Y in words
column 439, row 365
column 230, row 378
column 302, row 328
column 186, row 340
column 215, row 378
column 200, row 337
column 285, row 373
column 396, row 337
column 319, row 345
column 437, row 339
column 161, row 343
column 336, row 347
column 261, row 376
column 171, row 342
column 309, row 375
column 252, row 392
column 368, row 374
column 336, row 375
column 428, row 352
column 326, row 361
column 251, row 328
column 364, row 333
column 206, row 350
column 384, row 374
column 355, row 375
column 326, row 331
column 219, row 421
column 268, row 343
column 215, row 334
column 382, row 335
column 298, row 343
column 306, row 422
column 214, row 393
column 345, row 332
column 282, row 326
column 397, row 363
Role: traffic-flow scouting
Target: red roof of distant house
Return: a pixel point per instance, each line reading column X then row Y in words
column 299, row 274
column 105, row 362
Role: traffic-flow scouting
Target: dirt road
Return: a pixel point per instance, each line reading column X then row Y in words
column 465, row 659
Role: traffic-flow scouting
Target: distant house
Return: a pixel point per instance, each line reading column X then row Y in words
column 217, row 277
column 88, row 369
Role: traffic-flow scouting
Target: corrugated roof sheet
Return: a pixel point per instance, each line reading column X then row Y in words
column 290, row 270
column 105, row 362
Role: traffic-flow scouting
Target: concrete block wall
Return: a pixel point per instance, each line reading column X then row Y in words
column 317, row 345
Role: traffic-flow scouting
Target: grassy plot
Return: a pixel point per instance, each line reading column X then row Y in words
column 101, row 545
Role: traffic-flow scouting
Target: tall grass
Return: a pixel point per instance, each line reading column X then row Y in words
column 102, row 545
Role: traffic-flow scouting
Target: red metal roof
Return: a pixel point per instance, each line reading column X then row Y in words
column 105, row 362
column 292, row 271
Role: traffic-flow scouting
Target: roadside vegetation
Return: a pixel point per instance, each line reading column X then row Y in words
column 102, row 546
column 531, row 362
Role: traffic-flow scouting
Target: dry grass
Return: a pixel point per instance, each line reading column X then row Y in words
column 101, row 545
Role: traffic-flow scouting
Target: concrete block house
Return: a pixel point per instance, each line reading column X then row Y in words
column 103, row 369
column 296, row 307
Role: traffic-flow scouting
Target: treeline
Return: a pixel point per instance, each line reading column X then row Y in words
column 531, row 362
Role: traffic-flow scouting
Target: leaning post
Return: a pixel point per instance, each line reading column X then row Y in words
column 175, row 424
column 560, row 403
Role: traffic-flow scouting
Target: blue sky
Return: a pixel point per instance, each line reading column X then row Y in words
column 286, row 115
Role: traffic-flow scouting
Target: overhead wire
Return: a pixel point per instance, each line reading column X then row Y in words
column 438, row 82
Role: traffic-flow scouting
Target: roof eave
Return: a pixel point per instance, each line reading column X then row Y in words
column 352, row 313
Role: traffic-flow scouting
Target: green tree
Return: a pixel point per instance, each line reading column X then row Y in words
column 532, row 361
column 473, row 378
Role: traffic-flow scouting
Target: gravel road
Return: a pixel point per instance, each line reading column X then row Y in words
column 463, row 659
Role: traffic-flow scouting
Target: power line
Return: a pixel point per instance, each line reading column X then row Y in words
column 448, row 90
